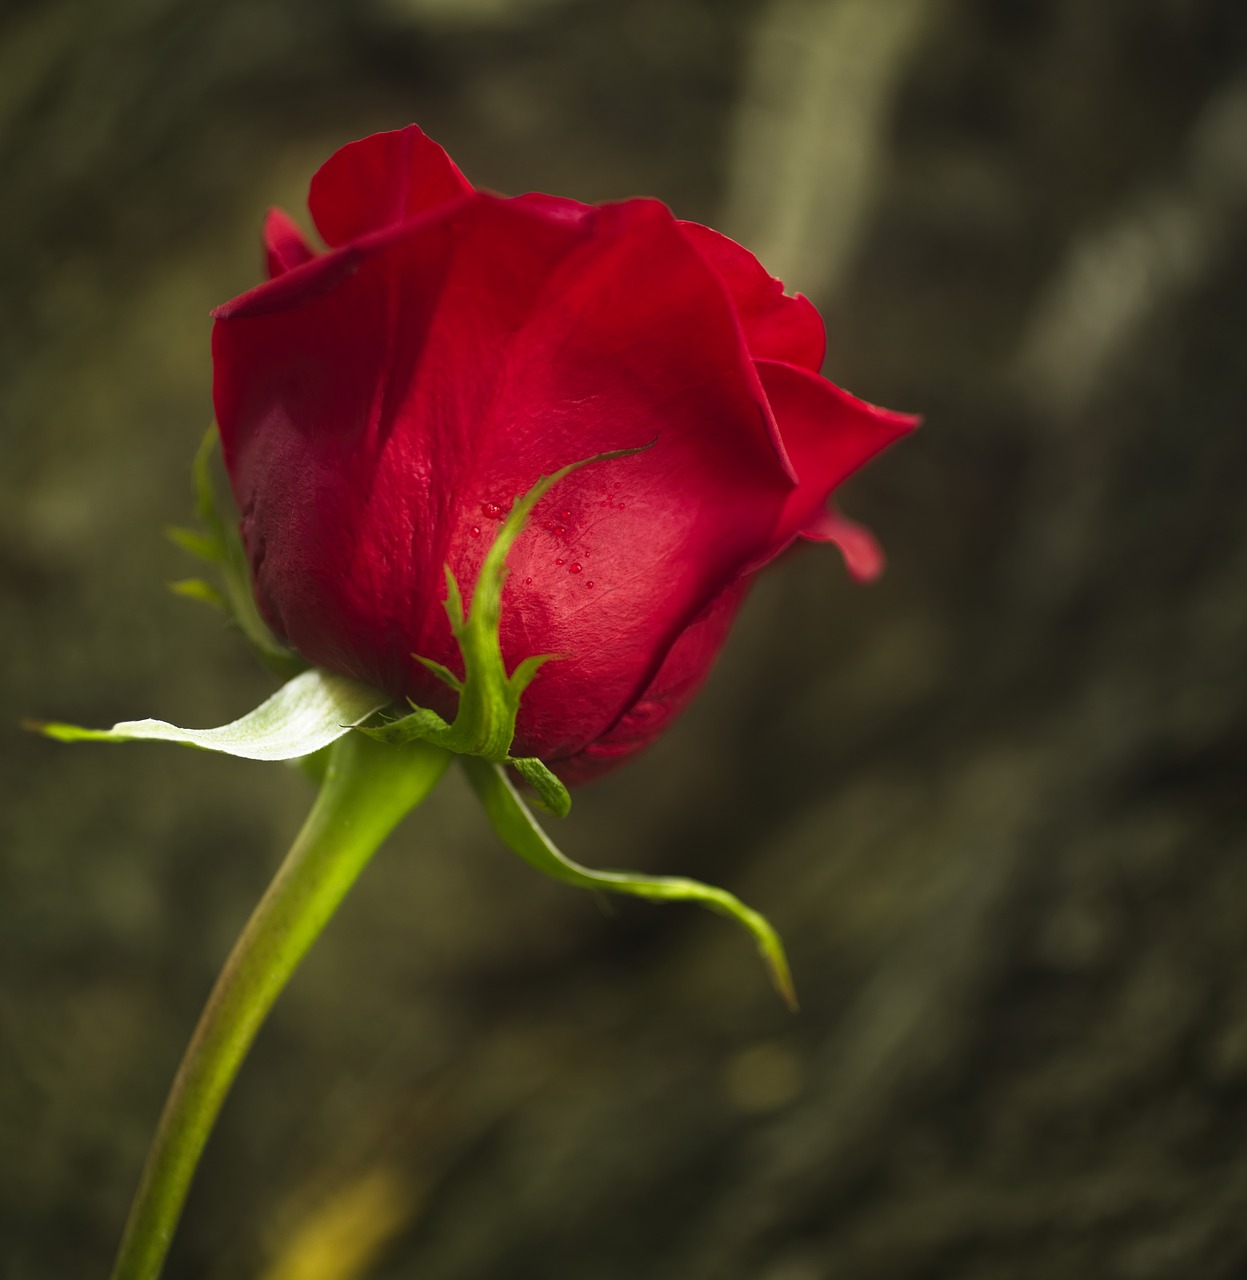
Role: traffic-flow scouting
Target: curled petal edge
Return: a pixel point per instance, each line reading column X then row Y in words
column 863, row 556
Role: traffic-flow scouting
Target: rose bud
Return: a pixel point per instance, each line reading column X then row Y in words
column 382, row 404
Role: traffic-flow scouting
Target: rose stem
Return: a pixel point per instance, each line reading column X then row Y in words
column 367, row 788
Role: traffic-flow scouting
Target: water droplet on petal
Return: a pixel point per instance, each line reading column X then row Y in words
column 559, row 532
column 476, row 530
column 574, row 569
column 566, row 515
column 493, row 510
column 558, row 562
column 528, row 582
column 588, row 584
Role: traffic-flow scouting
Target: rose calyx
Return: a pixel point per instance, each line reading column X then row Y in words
column 489, row 697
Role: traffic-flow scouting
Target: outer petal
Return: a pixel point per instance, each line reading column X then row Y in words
column 681, row 675
column 381, row 181
column 776, row 326
column 828, row 433
column 284, row 244
column 633, row 344
column 380, row 404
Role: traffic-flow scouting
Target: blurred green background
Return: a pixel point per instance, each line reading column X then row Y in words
column 995, row 803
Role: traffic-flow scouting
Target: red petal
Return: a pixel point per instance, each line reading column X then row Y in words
column 560, row 207
column 381, row 181
column 776, row 326
column 284, row 244
column 679, row 678
column 379, row 404
column 828, row 433
column 863, row 556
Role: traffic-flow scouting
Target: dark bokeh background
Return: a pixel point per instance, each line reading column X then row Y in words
column 995, row 803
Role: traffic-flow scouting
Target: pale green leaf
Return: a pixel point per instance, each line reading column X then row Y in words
column 303, row 716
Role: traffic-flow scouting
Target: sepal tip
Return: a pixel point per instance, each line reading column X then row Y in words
column 520, row 831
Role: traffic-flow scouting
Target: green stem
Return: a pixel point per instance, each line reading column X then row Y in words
column 368, row 787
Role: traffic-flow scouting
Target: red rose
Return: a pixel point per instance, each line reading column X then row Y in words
column 382, row 404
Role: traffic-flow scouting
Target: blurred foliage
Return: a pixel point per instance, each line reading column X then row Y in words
column 1009, row 861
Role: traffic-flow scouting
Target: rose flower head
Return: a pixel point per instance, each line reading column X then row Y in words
column 383, row 404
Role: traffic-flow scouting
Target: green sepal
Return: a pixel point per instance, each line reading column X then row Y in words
column 200, row 545
column 198, row 589
column 304, row 715
column 550, row 791
column 218, row 543
column 520, row 831
column 421, row 725
column 443, row 673
column 489, row 697
column 524, row 672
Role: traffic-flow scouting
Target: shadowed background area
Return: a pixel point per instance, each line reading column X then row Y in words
column 995, row 803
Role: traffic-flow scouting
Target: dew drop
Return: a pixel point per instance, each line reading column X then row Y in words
column 588, row 584
column 528, row 582
column 550, row 524
column 566, row 515
column 476, row 530
column 492, row 510
column 574, row 569
column 559, row 532
column 558, row 562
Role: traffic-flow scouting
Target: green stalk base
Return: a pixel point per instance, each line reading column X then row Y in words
column 368, row 788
